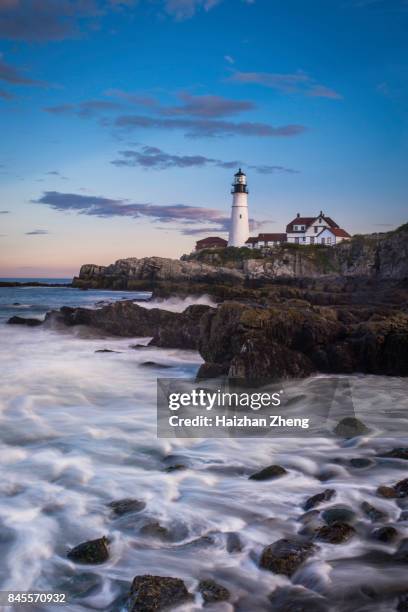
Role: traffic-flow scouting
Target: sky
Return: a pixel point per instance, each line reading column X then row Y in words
column 122, row 123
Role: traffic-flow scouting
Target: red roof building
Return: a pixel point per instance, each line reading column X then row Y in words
column 212, row 242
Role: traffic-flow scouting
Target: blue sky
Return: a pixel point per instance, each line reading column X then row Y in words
column 123, row 122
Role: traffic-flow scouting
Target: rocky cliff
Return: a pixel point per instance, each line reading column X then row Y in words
column 375, row 256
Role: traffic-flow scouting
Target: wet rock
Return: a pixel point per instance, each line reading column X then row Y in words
column 106, row 351
column 153, row 593
column 22, row 321
column 385, row 534
column 396, row 453
column 91, row 552
column 374, row 514
column 361, row 462
column 387, row 492
column 297, row 599
column 335, row 514
column 154, row 364
column 402, row 552
column 402, row 605
column 272, row 471
column 401, row 488
column 212, row 592
column 336, row 533
column 319, row 498
column 124, row 506
column 234, row 543
column 155, row 530
column 285, row 556
column 403, row 516
column 177, row 467
column 350, row 427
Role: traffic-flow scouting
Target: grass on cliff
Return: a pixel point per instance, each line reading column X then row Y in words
column 226, row 255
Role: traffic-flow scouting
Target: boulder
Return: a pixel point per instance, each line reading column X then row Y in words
column 269, row 473
column 285, row 556
column 22, row 321
column 374, row 514
column 91, row 552
column 335, row 533
column 153, row 593
column 385, row 534
column 335, row 514
column 350, row 427
column 125, row 506
column 396, row 453
column 319, row 498
column 212, row 592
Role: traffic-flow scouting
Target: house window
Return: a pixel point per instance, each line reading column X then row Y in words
column 297, row 240
column 303, row 227
column 328, row 240
column 316, row 229
column 311, row 239
column 304, row 238
column 240, row 216
column 323, row 240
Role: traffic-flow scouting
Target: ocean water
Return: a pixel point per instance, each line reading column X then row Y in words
column 78, row 431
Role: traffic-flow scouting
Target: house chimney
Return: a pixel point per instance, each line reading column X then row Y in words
column 298, row 215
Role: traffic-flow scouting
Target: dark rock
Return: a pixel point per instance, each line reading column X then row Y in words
column 401, row 488
column 402, row 552
column 297, row 599
column 234, row 543
column 155, row 530
column 124, row 506
column 336, row 533
column 324, row 496
column 285, row 556
column 385, row 534
column 402, row 605
column 388, row 492
column 361, row 462
column 373, row 513
column 403, row 516
column 396, row 453
column 212, row 370
column 335, row 514
column 22, row 321
column 350, row 427
column 106, row 351
column 212, row 592
column 153, row 364
column 154, row 593
column 272, row 471
column 177, row 467
column 92, row 552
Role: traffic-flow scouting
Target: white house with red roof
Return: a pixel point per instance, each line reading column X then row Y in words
column 315, row 230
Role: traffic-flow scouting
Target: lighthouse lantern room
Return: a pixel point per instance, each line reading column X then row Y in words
column 239, row 228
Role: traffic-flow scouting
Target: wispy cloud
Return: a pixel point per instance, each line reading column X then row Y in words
column 203, row 106
column 14, row 76
column 37, row 232
column 291, row 83
column 4, row 212
column 178, row 214
column 185, row 9
column 154, row 158
column 6, row 95
column 56, row 173
column 197, row 128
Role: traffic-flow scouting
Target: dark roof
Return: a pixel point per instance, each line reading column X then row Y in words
column 337, row 231
column 272, row 237
column 251, row 240
column 240, row 173
column 307, row 221
column 211, row 239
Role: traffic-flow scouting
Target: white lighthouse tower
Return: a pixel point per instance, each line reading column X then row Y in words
column 239, row 229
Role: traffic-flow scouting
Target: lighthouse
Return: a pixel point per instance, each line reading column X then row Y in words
column 239, row 228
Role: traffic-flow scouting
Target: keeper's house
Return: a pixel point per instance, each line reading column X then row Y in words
column 315, row 230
